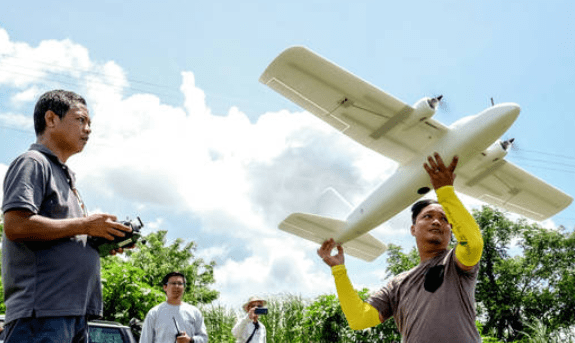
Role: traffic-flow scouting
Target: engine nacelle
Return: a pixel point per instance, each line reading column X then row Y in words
column 496, row 151
column 422, row 110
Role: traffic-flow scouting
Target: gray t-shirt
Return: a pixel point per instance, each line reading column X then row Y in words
column 446, row 315
column 49, row 278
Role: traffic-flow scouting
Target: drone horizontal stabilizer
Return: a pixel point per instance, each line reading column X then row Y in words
column 318, row 229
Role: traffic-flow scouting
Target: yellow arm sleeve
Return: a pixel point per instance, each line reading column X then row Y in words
column 464, row 227
column 359, row 314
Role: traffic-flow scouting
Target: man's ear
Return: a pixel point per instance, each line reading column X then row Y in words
column 412, row 229
column 50, row 117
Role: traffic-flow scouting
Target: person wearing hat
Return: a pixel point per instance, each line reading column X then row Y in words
column 248, row 329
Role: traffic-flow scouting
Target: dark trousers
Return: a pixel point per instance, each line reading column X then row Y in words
column 72, row 329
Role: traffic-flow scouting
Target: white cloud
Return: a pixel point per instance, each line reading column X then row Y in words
column 6, row 47
column 28, row 95
column 17, row 121
column 3, row 169
column 277, row 266
column 50, row 62
column 212, row 253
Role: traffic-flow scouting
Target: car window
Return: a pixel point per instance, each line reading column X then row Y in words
column 105, row 335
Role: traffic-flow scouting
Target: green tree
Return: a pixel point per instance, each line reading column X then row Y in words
column 537, row 283
column 325, row 322
column 156, row 258
column 399, row 262
column 125, row 294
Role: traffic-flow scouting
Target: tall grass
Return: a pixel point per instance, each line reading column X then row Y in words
column 539, row 333
column 284, row 322
column 219, row 322
column 293, row 319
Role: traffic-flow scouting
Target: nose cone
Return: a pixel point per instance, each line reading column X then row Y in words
column 508, row 112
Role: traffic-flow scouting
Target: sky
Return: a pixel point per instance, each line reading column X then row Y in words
column 184, row 135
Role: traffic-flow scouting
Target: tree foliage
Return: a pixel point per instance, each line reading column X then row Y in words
column 125, row 294
column 325, row 322
column 531, row 282
column 156, row 258
column 399, row 262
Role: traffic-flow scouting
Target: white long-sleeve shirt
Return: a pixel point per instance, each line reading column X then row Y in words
column 244, row 328
column 159, row 324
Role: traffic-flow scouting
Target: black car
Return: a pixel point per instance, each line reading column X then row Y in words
column 102, row 331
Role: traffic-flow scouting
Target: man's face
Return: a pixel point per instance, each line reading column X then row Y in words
column 72, row 131
column 432, row 228
column 175, row 288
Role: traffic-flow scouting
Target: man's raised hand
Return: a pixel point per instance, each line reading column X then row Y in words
column 439, row 174
column 325, row 253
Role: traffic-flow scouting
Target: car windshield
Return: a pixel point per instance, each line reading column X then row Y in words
column 105, row 335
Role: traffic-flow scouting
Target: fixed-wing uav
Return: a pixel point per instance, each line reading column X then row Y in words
column 406, row 134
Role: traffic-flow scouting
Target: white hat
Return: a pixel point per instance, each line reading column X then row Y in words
column 251, row 300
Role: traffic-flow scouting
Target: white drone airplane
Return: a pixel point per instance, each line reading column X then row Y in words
column 407, row 134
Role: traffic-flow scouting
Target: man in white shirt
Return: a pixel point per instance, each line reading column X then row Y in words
column 248, row 329
column 174, row 320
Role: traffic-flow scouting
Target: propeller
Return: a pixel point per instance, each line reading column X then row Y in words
column 434, row 102
column 506, row 144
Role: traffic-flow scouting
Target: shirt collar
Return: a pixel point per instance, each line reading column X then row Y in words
column 44, row 149
column 48, row 153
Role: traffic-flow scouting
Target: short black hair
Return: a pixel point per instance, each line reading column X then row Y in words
column 419, row 206
column 169, row 275
column 58, row 101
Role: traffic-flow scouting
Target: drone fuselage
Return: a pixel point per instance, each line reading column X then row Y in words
column 466, row 138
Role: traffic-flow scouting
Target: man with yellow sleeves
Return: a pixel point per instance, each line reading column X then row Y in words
column 435, row 301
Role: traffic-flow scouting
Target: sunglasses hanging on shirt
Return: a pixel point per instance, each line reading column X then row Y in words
column 434, row 278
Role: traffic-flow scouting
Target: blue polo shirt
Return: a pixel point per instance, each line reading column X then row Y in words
column 47, row 278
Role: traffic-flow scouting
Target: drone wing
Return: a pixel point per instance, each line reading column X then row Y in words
column 358, row 109
column 506, row 185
